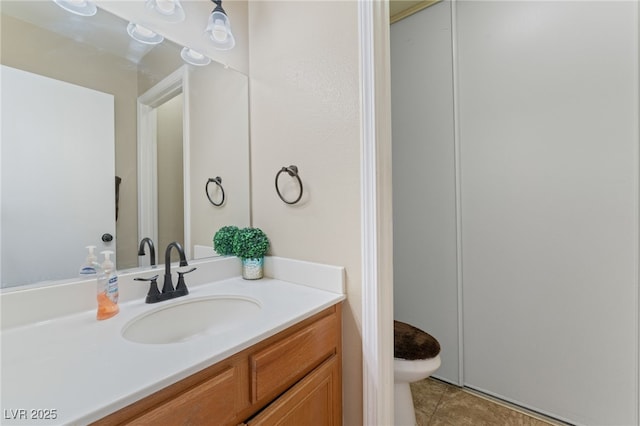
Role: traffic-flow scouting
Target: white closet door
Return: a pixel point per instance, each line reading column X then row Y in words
column 424, row 211
column 58, row 182
column 549, row 161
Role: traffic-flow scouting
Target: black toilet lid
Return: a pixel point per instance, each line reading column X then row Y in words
column 411, row 343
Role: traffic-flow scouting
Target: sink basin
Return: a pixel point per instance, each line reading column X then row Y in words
column 190, row 319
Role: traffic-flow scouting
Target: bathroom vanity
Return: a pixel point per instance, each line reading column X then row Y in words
column 278, row 359
column 293, row 377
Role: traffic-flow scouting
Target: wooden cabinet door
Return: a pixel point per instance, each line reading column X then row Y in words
column 314, row 401
column 212, row 402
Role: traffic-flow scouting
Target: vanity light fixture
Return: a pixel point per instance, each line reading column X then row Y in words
column 143, row 34
column 193, row 57
column 78, row 7
column 169, row 10
column 219, row 28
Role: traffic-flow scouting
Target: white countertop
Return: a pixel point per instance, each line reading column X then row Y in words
column 84, row 369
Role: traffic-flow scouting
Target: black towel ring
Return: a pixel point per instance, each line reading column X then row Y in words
column 218, row 181
column 293, row 172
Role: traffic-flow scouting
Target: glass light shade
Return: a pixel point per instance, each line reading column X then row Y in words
column 193, row 57
column 169, row 10
column 143, row 34
column 79, row 7
column 219, row 30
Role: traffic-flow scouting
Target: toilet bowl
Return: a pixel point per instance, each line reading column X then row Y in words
column 416, row 357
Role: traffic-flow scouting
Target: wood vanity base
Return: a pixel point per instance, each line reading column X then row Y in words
column 292, row 378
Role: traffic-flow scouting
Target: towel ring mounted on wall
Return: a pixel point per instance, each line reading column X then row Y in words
column 218, row 181
column 293, row 172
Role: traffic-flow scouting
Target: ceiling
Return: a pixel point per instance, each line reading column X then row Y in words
column 399, row 9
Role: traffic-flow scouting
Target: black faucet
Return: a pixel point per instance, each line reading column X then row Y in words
column 168, row 285
column 168, row 292
column 152, row 250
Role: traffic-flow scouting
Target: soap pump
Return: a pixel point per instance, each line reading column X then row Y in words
column 107, row 288
column 91, row 266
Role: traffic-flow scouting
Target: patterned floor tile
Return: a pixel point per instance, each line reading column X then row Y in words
column 440, row 404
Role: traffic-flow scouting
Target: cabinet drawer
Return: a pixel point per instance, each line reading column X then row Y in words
column 310, row 401
column 279, row 366
column 211, row 402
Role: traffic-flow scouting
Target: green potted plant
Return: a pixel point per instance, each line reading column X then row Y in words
column 223, row 240
column 250, row 245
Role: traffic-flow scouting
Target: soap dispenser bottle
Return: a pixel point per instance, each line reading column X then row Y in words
column 107, row 288
column 91, row 265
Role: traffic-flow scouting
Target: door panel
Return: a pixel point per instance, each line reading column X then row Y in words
column 58, row 182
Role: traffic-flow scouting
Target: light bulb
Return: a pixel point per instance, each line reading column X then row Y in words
column 166, row 6
column 169, row 10
column 78, row 7
column 193, row 57
column 143, row 34
column 219, row 30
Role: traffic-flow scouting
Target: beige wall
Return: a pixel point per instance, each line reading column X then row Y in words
column 31, row 51
column 219, row 139
column 305, row 111
column 156, row 65
column 170, row 173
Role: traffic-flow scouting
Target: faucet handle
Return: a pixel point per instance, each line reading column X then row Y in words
column 181, row 287
column 154, row 293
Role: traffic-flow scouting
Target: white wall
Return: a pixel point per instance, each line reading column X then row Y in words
column 305, row 111
column 547, row 101
column 424, row 187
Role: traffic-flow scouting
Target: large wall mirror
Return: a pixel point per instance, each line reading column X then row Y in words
column 200, row 132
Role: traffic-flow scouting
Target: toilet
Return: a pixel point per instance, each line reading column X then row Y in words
column 416, row 356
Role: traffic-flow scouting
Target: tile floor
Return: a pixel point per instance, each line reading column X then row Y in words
column 439, row 404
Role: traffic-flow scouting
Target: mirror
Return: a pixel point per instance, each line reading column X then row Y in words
column 97, row 53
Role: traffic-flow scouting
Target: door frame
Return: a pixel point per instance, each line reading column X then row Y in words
column 376, row 213
column 172, row 85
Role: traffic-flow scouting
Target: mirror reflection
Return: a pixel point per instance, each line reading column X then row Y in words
column 195, row 123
